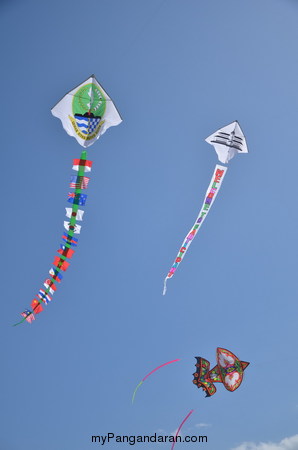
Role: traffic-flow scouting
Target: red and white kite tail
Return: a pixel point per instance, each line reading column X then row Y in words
column 211, row 193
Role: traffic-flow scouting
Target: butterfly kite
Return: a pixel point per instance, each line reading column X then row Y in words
column 228, row 371
column 228, row 141
column 86, row 112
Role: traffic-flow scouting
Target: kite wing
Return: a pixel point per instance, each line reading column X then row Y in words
column 87, row 112
column 201, row 376
column 228, row 141
column 230, row 368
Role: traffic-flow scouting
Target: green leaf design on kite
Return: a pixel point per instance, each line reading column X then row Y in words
column 89, row 100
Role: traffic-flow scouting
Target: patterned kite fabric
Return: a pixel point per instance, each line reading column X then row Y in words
column 87, row 125
column 66, row 251
column 77, row 182
column 211, row 193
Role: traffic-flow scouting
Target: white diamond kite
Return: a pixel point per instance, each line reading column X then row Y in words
column 227, row 141
column 87, row 112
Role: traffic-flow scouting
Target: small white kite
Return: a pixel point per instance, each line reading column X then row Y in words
column 227, row 141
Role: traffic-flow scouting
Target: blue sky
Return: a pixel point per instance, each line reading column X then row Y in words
column 177, row 71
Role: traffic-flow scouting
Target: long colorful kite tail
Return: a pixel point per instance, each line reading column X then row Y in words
column 148, row 375
column 78, row 183
column 211, row 193
column 180, row 426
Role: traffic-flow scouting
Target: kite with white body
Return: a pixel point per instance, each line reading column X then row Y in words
column 228, row 141
column 86, row 112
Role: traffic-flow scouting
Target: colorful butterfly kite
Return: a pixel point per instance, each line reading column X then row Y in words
column 228, row 141
column 228, row 371
column 86, row 112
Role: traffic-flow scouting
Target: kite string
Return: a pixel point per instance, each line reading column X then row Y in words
column 180, row 426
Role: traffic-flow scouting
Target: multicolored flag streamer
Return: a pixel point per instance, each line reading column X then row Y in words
column 65, row 252
column 148, row 375
column 211, row 193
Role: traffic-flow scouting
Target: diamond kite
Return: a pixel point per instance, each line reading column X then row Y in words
column 227, row 142
column 86, row 112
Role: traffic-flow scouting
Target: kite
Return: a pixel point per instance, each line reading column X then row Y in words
column 150, row 373
column 228, row 371
column 86, row 112
column 228, row 141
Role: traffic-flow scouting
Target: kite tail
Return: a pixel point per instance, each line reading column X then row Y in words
column 211, row 193
column 135, row 391
column 180, row 426
column 165, row 286
column 150, row 373
column 66, row 251
column 18, row 323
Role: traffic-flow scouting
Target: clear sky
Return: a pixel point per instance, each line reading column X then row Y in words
column 177, row 71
